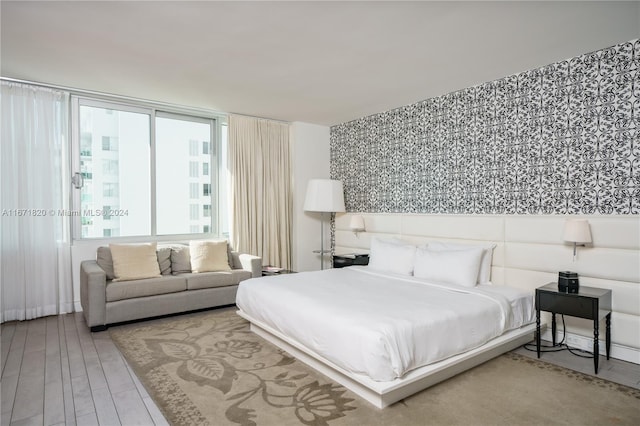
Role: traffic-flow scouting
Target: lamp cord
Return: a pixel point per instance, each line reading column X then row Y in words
column 559, row 347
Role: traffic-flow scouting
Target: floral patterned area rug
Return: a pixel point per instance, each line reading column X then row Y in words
column 209, row 369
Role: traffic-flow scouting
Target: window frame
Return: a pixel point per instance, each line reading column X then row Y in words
column 153, row 110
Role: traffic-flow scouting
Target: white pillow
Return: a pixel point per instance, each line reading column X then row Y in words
column 134, row 261
column 208, row 256
column 458, row 267
column 393, row 256
column 484, row 275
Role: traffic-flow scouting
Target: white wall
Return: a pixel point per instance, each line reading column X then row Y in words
column 310, row 146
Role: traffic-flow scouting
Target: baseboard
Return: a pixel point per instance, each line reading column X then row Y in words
column 621, row 352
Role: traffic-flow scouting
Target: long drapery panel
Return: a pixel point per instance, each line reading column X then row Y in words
column 35, row 261
column 260, row 173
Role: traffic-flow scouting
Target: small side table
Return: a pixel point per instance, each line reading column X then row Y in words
column 340, row 261
column 267, row 273
column 589, row 303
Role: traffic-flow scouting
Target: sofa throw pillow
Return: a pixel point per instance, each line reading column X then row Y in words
column 134, row 261
column 180, row 259
column 105, row 261
column 230, row 257
column 164, row 259
column 209, row 256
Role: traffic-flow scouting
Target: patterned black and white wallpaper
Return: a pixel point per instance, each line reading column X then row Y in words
column 560, row 139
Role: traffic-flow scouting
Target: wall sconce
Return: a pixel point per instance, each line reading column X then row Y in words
column 578, row 232
column 357, row 224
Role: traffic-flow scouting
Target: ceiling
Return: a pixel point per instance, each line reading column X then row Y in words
column 315, row 62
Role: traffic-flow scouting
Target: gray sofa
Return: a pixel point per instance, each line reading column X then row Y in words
column 105, row 301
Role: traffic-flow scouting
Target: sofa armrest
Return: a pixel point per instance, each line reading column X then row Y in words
column 93, row 293
column 252, row 264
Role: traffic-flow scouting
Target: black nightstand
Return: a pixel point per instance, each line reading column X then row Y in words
column 342, row 260
column 589, row 303
column 267, row 273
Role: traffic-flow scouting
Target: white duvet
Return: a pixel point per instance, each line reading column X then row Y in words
column 377, row 324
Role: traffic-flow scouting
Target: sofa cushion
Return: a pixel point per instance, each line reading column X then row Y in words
column 242, row 274
column 135, row 261
column 120, row 290
column 180, row 259
column 234, row 260
column 209, row 256
column 215, row 279
column 105, row 261
column 164, row 259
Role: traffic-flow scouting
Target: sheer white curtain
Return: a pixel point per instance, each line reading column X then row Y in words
column 35, row 259
column 260, row 171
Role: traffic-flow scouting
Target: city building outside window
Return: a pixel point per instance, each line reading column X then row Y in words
column 126, row 164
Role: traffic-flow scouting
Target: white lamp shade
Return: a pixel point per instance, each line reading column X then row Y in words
column 324, row 195
column 577, row 231
column 357, row 223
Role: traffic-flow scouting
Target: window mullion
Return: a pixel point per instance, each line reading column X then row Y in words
column 152, row 141
column 213, row 179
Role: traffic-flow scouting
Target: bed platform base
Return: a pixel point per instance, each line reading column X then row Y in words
column 383, row 394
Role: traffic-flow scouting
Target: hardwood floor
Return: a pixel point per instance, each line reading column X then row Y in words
column 56, row 372
column 614, row 370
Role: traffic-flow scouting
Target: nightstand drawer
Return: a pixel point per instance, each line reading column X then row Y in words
column 558, row 303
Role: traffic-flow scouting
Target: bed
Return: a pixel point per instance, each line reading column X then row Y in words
column 385, row 335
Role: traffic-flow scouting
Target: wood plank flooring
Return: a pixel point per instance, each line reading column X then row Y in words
column 56, row 372
column 614, row 370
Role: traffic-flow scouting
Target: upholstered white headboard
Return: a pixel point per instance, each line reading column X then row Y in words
column 529, row 253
